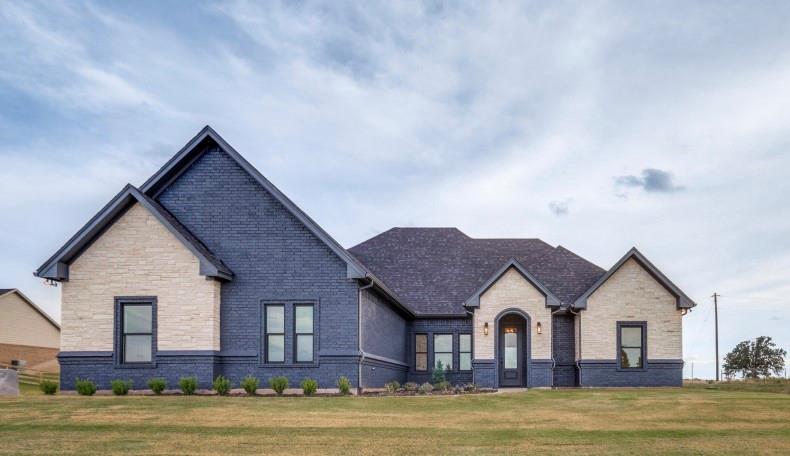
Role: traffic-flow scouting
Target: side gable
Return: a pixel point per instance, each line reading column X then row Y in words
column 31, row 304
column 57, row 266
column 682, row 301
column 194, row 149
column 474, row 299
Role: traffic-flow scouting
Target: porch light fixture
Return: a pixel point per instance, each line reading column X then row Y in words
column 485, row 328
column 540, row 328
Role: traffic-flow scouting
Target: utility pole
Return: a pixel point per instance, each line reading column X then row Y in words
column 716, row 316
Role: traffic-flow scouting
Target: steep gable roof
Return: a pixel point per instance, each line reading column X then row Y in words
column 5, row 291
column 57, row 266
column 436, row 270
column 683, row 301
column 474, row 300
column 196, row 147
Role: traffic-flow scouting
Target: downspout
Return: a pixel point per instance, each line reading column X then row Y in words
column 359, row 334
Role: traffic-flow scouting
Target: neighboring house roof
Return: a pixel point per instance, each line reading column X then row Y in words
column 683, row 301
column 56, row 267
column 5, row 291
column 435, row 271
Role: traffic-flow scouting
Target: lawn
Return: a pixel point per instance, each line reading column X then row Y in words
column 695, row 419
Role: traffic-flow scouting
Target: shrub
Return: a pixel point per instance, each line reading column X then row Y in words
column 157, row 385
column 121, row 387
column 188, row 385
column 279, row 384
column 344, row 385
column 85, row 387
column 443, row 386
column 426, row 388
column 411, row 387
column 48, row 387
column 250, row 384
column 309, row 386
column 470, row 387
column 437, row 375
column 392, row 386
column 221, row 385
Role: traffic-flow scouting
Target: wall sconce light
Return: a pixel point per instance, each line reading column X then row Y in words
column 485, row 328
column 540, row 328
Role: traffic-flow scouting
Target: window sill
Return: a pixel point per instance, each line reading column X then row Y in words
column 151, row 365
column 288, row 365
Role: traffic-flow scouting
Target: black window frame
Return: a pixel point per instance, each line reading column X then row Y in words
column 451, row 352
column 297, row 334
column 462, row 352
column 266, row 332
column 416, row 353
column 121, row 302
column 642, row 325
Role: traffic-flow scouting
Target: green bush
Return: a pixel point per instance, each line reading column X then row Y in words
column 411, row 387
column 470, row 387
column 188, row 385
column 344, row 385
column 157, row 385
column 309, row 386
column 48, row 387
column 443, row 386
column 121, row 387
column 250, row 384
column 221, row 385
column 85, row 387
column 437, row 375
column 279, row 384
column 392, row 386
column 426, row 388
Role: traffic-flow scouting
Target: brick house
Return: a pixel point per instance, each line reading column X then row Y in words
column 208, row 269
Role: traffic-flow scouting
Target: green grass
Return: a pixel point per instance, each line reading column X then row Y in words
column 645, row 421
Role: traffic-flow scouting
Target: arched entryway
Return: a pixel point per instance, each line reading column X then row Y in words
column 512, row 348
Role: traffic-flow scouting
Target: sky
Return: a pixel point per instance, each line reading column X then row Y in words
column 594, row 125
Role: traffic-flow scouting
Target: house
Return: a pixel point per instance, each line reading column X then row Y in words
column 28, row 336
column 208, row 269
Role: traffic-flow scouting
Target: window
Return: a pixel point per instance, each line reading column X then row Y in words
column 275, row 333
column 137, row 332
column 443, row 351
column 303, row 331
column 421, row 350
column 465, row 352
column 632, row 350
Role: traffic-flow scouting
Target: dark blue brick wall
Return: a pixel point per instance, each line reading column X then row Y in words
column 384, row 330
column 430, row 327
column 485, row 374
column 540, row 373
column 563, row 350
column 376, row 373
column 658, row 373
column 101, row 370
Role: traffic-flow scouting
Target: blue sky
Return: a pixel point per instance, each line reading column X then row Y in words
column 594, row 125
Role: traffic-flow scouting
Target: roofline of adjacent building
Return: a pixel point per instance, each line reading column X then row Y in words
column 33, row 305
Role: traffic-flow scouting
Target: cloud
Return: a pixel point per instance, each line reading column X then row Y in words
column 652, row 181
column 560, row 207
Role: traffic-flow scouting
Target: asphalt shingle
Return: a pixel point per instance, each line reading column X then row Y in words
column 434, row 270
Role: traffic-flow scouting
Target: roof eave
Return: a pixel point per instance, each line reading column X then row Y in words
column 474, row 300
column 682, row 300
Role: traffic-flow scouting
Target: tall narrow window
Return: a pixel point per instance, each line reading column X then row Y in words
column 303, row 329
column 275, row 333
column 138, row 333
column 421, row 352
column 631, row 346
column 465, row 352
column 443, row 351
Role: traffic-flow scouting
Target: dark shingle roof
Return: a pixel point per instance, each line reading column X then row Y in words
column 434, row 270
column 5, row 290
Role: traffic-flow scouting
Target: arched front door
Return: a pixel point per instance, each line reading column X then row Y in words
column 512, row 348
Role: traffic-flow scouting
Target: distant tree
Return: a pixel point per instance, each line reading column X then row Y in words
column 755, row 358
